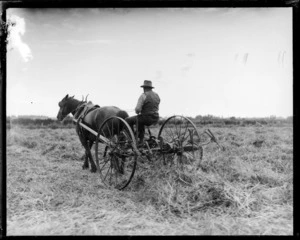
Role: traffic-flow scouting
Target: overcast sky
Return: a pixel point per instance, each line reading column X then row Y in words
column 218, row 61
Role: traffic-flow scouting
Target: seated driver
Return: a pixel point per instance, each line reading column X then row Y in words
column 147, row 110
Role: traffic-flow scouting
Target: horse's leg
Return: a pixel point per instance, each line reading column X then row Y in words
column 85, row 155
column 84, row 144
column 90, row 157
column 86, row 159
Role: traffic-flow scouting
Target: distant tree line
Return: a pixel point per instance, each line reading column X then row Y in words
column 39, row 122
column 209, row 119
column 220, row 121
column 44, row 122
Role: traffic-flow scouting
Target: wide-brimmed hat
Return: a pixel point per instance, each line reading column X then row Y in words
column 147, row 83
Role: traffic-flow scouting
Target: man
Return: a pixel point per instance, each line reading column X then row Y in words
column 147, row 110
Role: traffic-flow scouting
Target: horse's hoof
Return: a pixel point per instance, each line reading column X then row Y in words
column 93, row 170
column 85, row 167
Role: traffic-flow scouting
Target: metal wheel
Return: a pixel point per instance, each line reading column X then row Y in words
column 116, row 153
column 180, row 139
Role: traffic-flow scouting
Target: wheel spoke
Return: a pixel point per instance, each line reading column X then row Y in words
column 170, row 130
column 186, row 128
column 179, row 135
column 187, row 142
column 107, row 172
column 104, row 164
column 176, row 130
column 113, row 169
column 107, row 137
column 112, row 128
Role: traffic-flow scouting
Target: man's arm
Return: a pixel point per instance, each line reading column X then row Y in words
column 140, row 103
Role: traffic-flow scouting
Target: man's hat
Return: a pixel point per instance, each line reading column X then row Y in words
column 148, row 84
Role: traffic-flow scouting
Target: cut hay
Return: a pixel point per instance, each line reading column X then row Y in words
column 246, row 190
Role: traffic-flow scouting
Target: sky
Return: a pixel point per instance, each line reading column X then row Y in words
column 202, row 61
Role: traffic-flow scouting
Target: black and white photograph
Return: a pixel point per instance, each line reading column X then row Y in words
column 149, row 121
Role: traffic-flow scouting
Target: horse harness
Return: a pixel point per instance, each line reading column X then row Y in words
column 80, row 112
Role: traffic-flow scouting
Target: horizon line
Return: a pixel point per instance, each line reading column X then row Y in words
column 207, row 115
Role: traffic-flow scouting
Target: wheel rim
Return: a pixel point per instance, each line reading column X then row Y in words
column 180, row 134
column 116, row 159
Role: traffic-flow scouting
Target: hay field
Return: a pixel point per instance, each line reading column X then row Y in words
column 246, row 190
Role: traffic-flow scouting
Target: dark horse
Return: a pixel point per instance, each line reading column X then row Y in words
column 92, row 119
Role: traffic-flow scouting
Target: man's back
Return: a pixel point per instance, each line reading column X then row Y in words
column 151, row 103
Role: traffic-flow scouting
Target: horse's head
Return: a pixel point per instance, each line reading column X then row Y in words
column 65, row 107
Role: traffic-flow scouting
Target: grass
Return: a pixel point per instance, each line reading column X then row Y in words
column 246, row 190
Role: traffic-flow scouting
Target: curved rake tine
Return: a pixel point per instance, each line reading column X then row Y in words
column 210, row 134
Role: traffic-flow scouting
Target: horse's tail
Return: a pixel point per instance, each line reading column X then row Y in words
column 122, row 114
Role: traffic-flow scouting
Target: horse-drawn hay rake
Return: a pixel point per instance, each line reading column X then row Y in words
column 117, row 152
